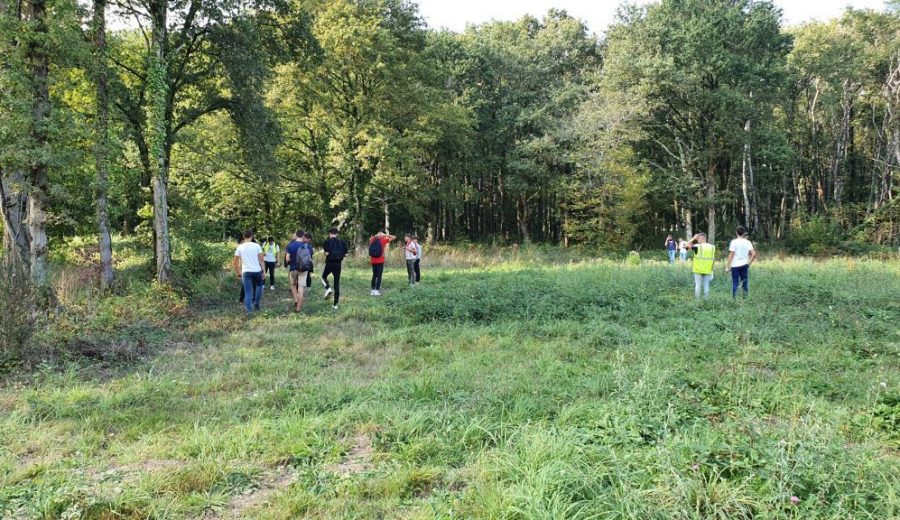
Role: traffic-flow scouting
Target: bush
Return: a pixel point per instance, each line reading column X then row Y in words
column 634, row 258
column 816, row 236
column 200, row 258
column 18, row 313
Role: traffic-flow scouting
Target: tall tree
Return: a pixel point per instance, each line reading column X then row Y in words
column 101, row 144
column 39, row 61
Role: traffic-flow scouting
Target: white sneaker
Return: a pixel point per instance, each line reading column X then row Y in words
column 377, row 293
column 324, row 283
column 271, row 287
column 373, row 292
column 335, row 307
column 329, row 292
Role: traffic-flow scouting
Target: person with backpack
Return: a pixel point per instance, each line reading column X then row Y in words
column 418, row 258
column 298, row 258
column 309, row 242
column 271, row 250
column 377, row 249
column 741, row 255
column 335, row 251
column 411, row 252
column 704, row 258
column 248, row 262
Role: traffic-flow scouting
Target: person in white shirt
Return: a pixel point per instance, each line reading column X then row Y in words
column 415, row 239
column 411, row 252
column 248, row 267
column 740, row 256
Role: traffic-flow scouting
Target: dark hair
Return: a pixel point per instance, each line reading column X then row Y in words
column 407, row 235
column 333, row 231
column 270, row 239
column 308, row 236
column 741, row 231
column 248, row 233
column 415, row 237
column 299, row 233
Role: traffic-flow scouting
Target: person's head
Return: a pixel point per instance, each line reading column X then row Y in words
column 741, row 231
column 333, row 232
column 307, row 236
column 248, row 234
column 407, row 238
column 415, row 238
column 380, row 233
column 701, row 238
column 270, row 240
column 299, row 234
column 669, row 237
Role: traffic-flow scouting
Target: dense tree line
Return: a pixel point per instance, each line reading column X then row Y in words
column 206, row 116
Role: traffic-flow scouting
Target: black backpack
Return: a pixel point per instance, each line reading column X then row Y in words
column 376, row 249
column 337, row 250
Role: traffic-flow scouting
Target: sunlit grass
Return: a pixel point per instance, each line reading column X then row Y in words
column 544, row 386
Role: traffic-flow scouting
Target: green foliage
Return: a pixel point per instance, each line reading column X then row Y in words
column 19, row 316
column 816, row 236
column 512, row 384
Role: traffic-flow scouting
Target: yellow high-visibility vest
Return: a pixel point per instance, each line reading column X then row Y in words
column 704, row 258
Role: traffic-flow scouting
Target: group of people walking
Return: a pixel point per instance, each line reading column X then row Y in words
column 741, row 255
column 252, row 261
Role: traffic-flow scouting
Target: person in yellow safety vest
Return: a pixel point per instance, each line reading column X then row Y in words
column 704, row 258
column 271, row 250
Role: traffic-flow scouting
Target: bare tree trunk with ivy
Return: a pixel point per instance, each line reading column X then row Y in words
column 40, row 179
column 157, row 93
column 101, row 150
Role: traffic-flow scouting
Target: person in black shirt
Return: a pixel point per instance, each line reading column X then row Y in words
column 335, row 251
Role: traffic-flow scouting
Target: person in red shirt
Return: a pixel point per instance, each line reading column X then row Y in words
column 378, row 245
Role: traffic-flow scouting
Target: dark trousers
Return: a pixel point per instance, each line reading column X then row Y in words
column 309, row 277
column 270, row 268
column 377, row 272
column 333, row 268
column 739, row 276
column 411, row 271
column 418, row 272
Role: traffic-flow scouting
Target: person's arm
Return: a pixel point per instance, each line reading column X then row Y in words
column 262, row 258
column 237, row 266
column 728, row 262
column 391, row 238
column 752, row 256
column 287, row 257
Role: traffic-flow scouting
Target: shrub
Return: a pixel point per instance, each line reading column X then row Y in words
column 200, row 258
column 816, row 236
column 634, row 258
column 18, row 313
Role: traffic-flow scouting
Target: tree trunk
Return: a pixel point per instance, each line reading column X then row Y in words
column 14, row 203
column 711, row 201
column 387, row 217
column 522, row 219
column 101, row 150
column 688, row 223
column 158, row 93
column 40, row 180
column 745, row 178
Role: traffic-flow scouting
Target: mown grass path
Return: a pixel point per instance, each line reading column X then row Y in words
column 585, row 390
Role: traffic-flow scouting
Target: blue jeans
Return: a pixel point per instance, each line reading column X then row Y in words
column 739, row 277
column 671, row 256
column 684, row 255
column 253, row 290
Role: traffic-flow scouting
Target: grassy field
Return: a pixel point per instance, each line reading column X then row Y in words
column 496, row 389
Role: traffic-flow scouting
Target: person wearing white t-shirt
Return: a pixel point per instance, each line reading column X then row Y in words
column 740, row 255
column 248, row 267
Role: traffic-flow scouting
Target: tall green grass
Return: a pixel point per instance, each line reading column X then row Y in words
column 523, row 388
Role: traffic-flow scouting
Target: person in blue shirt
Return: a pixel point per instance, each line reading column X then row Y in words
column 298, row 258
column 671, row 246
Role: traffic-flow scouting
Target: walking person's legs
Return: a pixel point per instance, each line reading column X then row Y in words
column 745, row 279
column 706, row 279
column 377, row 272
column 418, row 272
column 258, row 288
column 270, row 269
column 336, row 271
column 247, row 290
column 735, row 280
column 325, row 272
column 672, row 256
column 698, row 281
